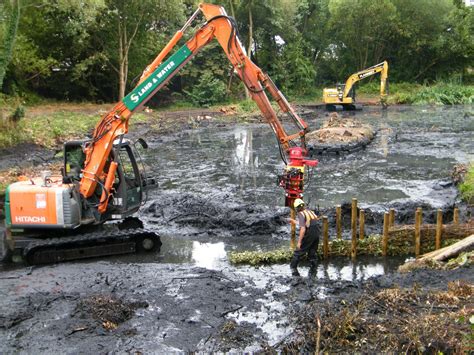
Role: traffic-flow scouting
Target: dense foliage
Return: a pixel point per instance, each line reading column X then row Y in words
column 96, row 49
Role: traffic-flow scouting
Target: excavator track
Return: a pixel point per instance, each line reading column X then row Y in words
column 104, row 243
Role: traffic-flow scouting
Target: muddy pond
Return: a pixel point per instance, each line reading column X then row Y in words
column 218, row 193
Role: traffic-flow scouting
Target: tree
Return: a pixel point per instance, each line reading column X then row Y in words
column 124, row 23
column 363, row 30
column 53, row 56
column 10, row 15
column 417, row 48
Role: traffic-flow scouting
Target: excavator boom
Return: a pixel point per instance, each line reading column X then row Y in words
column 378, row 68
column 63, row 217
column 218, row 26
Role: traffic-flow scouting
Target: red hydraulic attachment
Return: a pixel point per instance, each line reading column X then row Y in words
column 293, row 178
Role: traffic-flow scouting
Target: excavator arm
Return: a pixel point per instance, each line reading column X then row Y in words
column 98, row 168
column 378, row 68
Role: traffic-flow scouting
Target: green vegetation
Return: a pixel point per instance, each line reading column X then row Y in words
column 440, row 94
column 443, row 93
column 96, row 49
column 467, row 187
column 371, row 245
column 51, row 129
column 9, row 18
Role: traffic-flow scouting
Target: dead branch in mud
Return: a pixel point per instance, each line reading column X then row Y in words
column 231, row 311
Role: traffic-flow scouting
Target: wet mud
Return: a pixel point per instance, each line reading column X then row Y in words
column 218, row 193
column 104, row 307
column 218, row 216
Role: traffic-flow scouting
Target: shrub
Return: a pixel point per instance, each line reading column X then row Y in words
column 208, row 91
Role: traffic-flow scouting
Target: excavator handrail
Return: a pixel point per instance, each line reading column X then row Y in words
column 221, row 27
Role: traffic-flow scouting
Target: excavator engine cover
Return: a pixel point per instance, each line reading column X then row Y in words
column 35, row 204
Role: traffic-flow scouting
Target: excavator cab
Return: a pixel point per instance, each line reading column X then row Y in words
column 131, row 179
column 340, row 90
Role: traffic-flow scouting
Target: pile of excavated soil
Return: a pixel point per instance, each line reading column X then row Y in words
column 340, row 135
column 215, row 216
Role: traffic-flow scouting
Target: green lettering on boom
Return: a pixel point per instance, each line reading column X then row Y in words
column 143, row 91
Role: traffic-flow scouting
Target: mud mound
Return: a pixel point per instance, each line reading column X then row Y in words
column 107, row 310
column 216, row 216
column 340, row 135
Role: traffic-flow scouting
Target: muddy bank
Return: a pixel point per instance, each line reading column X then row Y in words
column 425, row 311
column 222, row 216
column 169, row 307
column 25, row 155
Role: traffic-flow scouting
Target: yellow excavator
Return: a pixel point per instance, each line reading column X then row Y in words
column 342, row 97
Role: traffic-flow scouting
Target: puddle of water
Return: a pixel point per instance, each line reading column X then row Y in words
column 269, row 316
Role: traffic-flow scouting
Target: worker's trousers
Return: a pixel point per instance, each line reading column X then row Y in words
column 309, row 245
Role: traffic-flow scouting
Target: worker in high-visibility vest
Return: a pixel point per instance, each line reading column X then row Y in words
column 308, row 237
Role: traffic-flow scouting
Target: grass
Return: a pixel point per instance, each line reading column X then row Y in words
column 50, row 129
column 466, row 188
column 416, row 94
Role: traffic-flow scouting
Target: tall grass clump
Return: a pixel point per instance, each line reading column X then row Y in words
column 440, row 94
column 466, row 188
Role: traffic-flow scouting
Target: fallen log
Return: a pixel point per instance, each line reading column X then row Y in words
column 451, row 251
column 459, row 254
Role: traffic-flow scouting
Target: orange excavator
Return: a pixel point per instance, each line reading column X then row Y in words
column 56, row 218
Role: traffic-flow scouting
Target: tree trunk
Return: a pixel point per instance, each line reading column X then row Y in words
column 249, row 50
column 9, row 40
column 121, row 46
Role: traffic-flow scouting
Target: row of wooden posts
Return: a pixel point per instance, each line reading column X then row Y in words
column 388, row 222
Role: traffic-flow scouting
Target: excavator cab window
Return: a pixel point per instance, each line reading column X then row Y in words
column 74, row 158
column 130, row 177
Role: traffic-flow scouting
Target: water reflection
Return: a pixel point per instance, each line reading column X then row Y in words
column 350, row 272
column 208, row 255
column 243, row 158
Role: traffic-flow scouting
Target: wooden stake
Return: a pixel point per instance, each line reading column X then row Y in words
column 456, row 216
column 293, row 229
column 361, row 224
column 386, row 225
column 338, row 222
column 418, row 221
column 439, row 228
column 392, row 217
column 325, row 237
column 354, row 228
